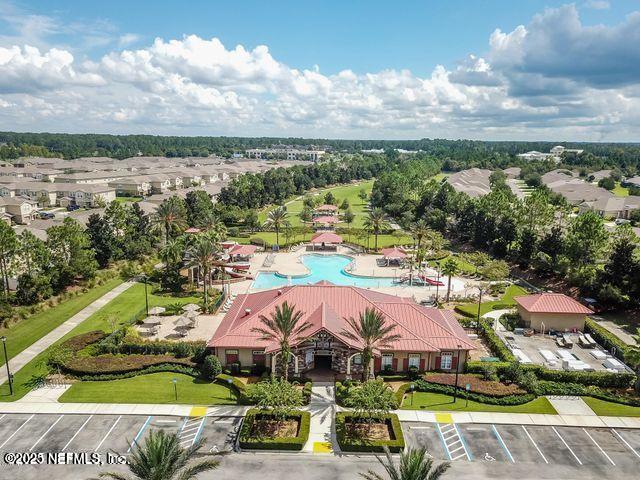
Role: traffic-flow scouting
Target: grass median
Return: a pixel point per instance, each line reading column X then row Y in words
column 120, row 309
column 151, row 388
column 28, row 331
column 441, row 402
column 611, row 409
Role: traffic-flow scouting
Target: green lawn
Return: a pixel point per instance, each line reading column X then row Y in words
column 441, row 402
column 620, row 191
column 24, row 333
column 128, row 199
column 350, row 192
column 464, row 266
column 123, row 307
column 610, row 409
column 152, row 388
column 383, row 240
column 471, row 310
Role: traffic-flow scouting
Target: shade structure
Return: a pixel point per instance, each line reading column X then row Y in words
column 182, row 321
column 242, row 250
column 152, row 320
column 394, row 253
column 191, row 307
column 326, row 208
column 326, row 219
column 192, row 314
column 157, row 310
column 326, row 238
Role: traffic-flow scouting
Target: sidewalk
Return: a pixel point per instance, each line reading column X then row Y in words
column 29, row 353
column 322, row 435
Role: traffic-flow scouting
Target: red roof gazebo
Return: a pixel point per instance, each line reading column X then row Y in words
column 326, row 220
column 326, row 238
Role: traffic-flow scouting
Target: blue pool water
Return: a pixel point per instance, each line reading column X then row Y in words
column 322, row 267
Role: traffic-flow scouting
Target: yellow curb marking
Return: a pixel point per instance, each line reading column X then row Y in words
column 322, row 447
column 198, row 411
column 444, row 418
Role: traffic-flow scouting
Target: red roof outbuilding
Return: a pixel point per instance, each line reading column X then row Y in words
column 242, row 250
column 551, row 303
column 326, row 237
column 393, row 253
column 326, row 219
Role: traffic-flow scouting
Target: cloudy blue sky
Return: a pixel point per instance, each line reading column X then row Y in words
column 360, row 69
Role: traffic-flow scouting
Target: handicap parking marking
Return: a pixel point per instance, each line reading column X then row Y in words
column 139, row 434
column 599, row 447
column 624, row 440
column 535, row 444
column 16, row 431
column 495, row 431
column 453, row 442
column 45, row 433
column 219, row 433
column 567, row 445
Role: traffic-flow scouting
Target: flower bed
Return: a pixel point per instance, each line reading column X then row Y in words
column 477, row 384
column 294, row 429
column 79, row 342
column 386, row 430
column 424, row 386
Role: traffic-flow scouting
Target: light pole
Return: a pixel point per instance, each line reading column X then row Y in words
column 437, row 281
column 175, row 387
column 455, row 390
column 230, row 382
column 411, row 387
column 478, row 319
column 6, row 362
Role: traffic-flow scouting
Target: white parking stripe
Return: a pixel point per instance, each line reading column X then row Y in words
column 619, row 436
column 504, row 445
column 535, row 445
column 19, row 428
column 108, row 433
column 45, row 433
column 599, row 447
column 567, row 445
column 76, row 434
column 3, row 415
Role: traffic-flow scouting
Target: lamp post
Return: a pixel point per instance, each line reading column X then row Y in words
column 455, row 390
column 437, row 281
column 175, row 387
column 411, row 387
column 6, row 363
column 230, row 382
column 478, row 319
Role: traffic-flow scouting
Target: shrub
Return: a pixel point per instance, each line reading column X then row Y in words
column 240, row 388
column 605, row 338
column 164, row 367
column 248, row 440
column 371, row 399
column 495, row 343
column 352, row 444
column 424, row 386
column 278, row 397
column 476, row 383
column 79, row 342
column 211, row 367
column 119, row 364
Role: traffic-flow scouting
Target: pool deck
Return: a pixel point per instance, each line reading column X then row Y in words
column 290, row 263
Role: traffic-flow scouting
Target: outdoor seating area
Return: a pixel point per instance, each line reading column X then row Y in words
column 191, row 324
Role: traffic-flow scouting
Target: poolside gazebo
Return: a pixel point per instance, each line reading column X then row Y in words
column 326, row 209
column 241, row 252
column 326, row 238
column 393, row 254
column 325, row 221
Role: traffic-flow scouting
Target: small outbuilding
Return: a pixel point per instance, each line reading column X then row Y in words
column 551, row 311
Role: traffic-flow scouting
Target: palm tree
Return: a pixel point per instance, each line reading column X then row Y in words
column 281, row 326
column 415, row 464
column 276, row 219
column 169, row 219
column 450, row 268
column 376, row 221
column 172, row 253
column 213, row 225
column 162, row 458
column 203, row 254
column 372, row 330
column 419, row 230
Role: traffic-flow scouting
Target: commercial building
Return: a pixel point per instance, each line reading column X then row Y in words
column 428, row 338
column 551, row 311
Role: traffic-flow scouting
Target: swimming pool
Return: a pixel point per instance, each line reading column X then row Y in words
column 321, row 267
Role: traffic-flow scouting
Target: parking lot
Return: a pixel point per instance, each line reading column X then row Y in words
column 593, row 448
column 108, row 433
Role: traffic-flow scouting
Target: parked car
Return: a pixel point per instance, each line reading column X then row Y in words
column 71, row 208
column 46, row 215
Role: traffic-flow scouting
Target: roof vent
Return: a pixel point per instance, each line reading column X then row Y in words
column 247, row 311
column 279, row 292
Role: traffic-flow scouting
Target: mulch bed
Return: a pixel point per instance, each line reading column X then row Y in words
column 270, row 428
column 370, row 431
column 478, row 385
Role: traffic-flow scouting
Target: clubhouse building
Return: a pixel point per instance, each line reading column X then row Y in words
column 429, row 338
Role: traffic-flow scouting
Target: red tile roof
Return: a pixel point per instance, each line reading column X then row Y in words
column 327, row 306
column 243, row 250
column 326, row 237
column 326, row 208
column 551, row 303
column 325, row 219
column 394, row 252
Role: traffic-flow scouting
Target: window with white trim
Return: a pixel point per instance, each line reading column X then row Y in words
column 387, row 360
column 414, row 360
column 446, row 360
column 357, row 359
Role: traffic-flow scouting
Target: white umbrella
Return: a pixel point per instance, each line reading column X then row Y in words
column 153, row 320
column 192, row 314
column 156, row 310
column 181, row 322
column 191, row 307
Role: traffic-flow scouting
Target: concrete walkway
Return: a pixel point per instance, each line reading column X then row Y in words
column 28, row 354
column 570, row 405
column 322, row 434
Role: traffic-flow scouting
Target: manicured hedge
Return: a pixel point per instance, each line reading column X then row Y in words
column 544, row 387
column 114, row 364
column 83, row 340
column 239, row 387
column 424, row 386
column 605, row 338
column 476, row 383
column 249, row 442
column 363, row 445
column 495, row 343
column 165, row 367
